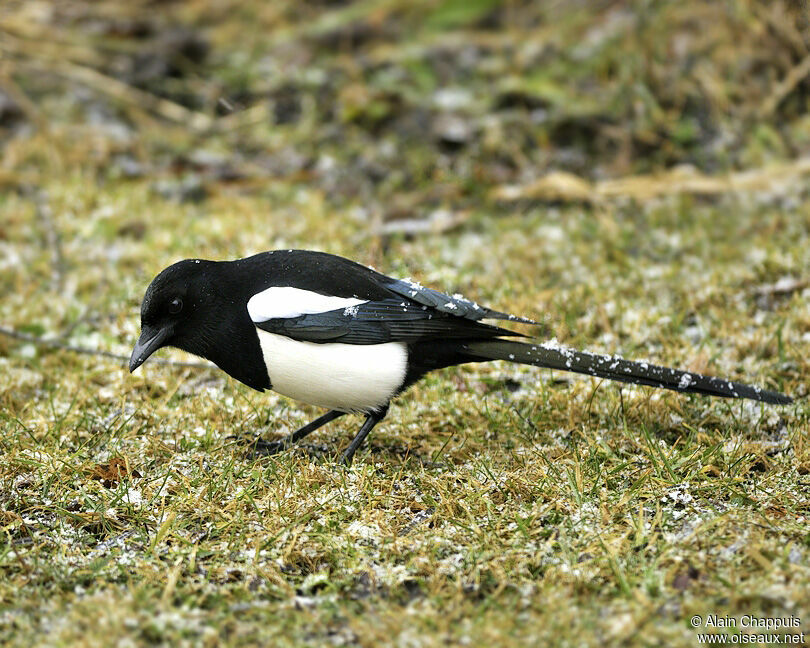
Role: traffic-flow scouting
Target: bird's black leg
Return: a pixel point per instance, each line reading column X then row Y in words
column 261, row 447
column 371, row 420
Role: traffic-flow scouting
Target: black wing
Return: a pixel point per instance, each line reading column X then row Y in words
column 451, row 304
column 306, row 270
column 376, row 322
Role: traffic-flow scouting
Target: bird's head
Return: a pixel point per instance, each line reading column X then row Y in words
column 201, row 307
column 177, row 310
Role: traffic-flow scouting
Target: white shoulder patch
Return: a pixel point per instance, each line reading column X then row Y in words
column 286, row 301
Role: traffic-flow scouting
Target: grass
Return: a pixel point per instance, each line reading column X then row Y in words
column 496, row 504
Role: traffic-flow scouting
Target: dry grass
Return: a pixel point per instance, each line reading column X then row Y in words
column 497, row 504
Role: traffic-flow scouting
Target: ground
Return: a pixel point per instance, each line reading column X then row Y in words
column 631, row 175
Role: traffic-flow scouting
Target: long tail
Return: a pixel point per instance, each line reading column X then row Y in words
column 554, row 356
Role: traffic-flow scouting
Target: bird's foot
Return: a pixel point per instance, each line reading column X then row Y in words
column 258, row 447
column 262, row 448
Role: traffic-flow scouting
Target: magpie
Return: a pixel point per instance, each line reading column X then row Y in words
column 336, row 334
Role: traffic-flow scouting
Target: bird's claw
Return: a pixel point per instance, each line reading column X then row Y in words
column 260, row 448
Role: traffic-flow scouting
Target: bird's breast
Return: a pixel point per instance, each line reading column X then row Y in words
column 345, row 377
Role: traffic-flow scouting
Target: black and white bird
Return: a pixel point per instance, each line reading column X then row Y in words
column 333, row 333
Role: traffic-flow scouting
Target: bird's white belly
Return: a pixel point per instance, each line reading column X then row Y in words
column 345, row 377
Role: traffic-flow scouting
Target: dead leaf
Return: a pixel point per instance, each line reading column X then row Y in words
column 557, row 186
column 566, row 187
column 683, row 579
column 111, row 473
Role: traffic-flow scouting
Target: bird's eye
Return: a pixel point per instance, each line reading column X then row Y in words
column 175, row 306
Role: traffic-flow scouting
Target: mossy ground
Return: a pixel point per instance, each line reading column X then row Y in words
column 497, row 504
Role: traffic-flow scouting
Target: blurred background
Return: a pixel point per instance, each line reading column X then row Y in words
column 403, row 115
column 136, row 133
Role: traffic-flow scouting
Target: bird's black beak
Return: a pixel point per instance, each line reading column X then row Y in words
column 149, row 342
